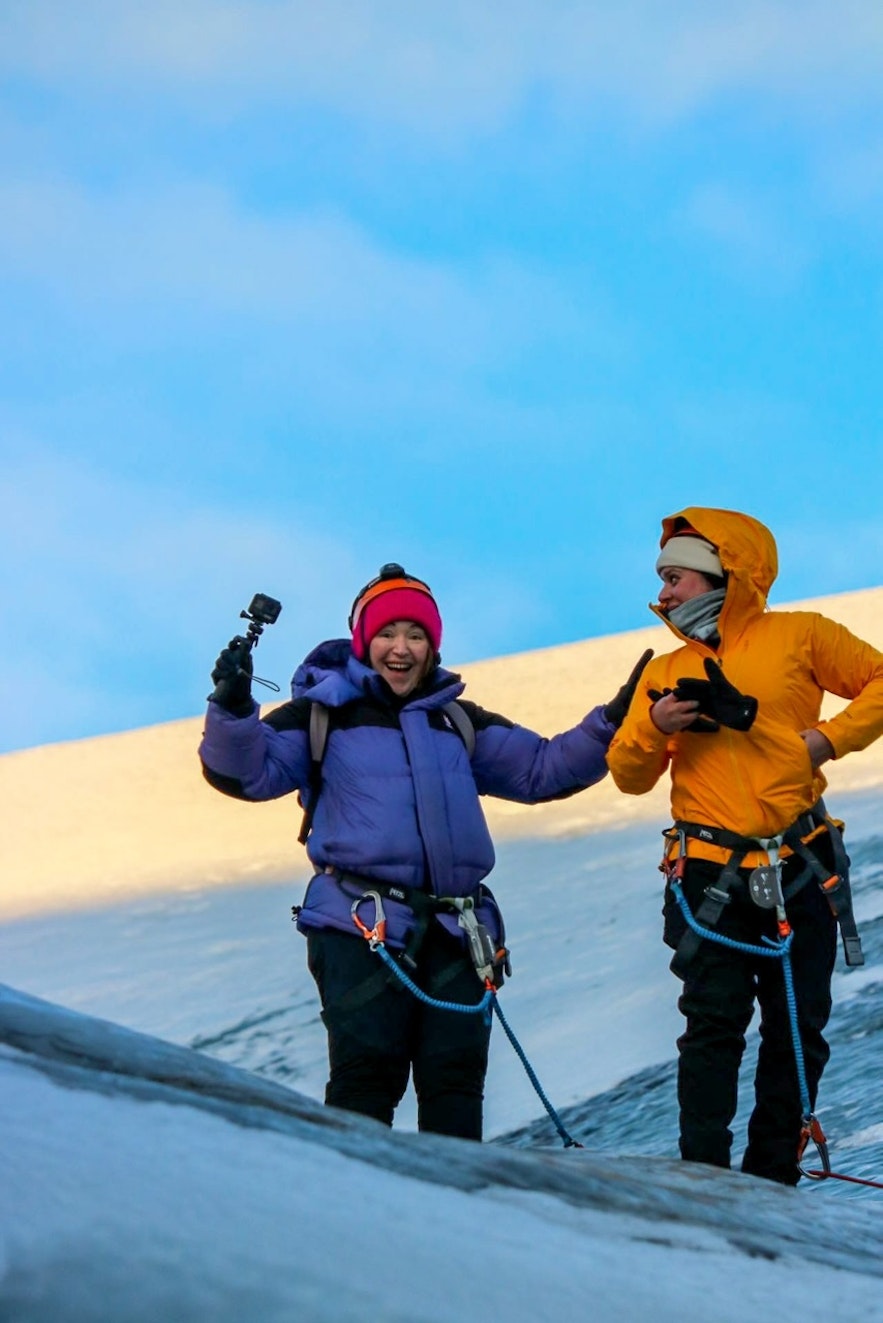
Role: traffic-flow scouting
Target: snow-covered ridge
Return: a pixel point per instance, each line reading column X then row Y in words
column 93, row 821
column 228, row 1185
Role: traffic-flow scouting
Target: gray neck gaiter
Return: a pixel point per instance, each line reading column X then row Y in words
column 698, row 617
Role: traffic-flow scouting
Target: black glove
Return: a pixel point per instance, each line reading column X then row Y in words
column 718, row 700
column 232, row 678
column 618, row 706
column 701, row 726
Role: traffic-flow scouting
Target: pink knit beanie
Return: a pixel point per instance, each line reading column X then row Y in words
column 394, row 595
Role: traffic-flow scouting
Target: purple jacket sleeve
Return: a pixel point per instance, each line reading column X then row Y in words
column 514, row 763
column 258, row 761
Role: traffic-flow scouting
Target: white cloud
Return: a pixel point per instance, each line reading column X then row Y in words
column 756, row 235
column 444, row 65
column 134, row 266
column 851, row 180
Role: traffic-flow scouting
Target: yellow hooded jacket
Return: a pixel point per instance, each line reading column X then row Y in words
column 757, row 782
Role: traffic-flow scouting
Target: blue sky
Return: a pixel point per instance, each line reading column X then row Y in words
column 288, row 290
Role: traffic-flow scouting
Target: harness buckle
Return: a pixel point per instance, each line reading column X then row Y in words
column 835, row 893
column 852, row 949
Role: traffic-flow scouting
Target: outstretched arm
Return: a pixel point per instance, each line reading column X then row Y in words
column 512, row 762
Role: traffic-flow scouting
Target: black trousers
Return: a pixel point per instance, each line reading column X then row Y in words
column 379, row 1032
column 720, row 989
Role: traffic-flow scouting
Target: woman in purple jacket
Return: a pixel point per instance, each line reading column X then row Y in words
column 393, row 808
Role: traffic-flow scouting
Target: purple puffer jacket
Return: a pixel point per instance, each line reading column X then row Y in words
column 400, row 798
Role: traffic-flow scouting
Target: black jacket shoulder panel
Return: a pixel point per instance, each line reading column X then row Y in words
column 363, row 712
column 293, row 715
column 481, row 718
column 228, row 785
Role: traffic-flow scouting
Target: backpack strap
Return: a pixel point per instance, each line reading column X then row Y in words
column 319, row 722
column 320, row 716
column 463, row 726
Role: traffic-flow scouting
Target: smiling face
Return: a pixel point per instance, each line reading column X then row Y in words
column 402, row 654
column 679, row 585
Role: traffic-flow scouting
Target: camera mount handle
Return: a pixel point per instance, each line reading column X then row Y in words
column 261, row 611
column 251, row 640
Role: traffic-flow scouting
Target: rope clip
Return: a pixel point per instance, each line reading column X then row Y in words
column 673, row 870
column 481, row 947
column 811, row 1130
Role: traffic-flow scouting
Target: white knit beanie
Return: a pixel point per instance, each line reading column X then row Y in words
column 687, row 551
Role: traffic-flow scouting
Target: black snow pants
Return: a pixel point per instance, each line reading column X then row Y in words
column 720, row 989
column 379, row 1032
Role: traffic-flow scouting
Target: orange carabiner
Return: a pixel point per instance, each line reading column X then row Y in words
column 377, row 934
column 811, row 1131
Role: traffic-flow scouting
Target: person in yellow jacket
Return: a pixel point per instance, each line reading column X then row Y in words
column 733, row 714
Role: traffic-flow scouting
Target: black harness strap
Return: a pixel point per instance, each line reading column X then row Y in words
column 353, row 1000
column 730, row 840
column 714, row 901
column 835, row 885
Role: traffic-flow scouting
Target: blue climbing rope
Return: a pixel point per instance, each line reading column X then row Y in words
column 791, row 998
column 489, row 1004
column 777, row 948
column 811, row 1130
column 479, row 1007
column 567, row 1139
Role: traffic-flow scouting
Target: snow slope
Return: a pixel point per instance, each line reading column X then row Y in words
column 144, row 1181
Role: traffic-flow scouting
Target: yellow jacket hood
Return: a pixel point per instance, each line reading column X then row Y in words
column 747, row 551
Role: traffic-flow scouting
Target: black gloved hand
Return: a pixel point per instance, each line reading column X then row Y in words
column 701, row 725
column 618, row 706
column 718, row 699
column 232, row 678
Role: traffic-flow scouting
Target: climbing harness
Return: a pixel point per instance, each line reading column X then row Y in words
column 491, row 959
column 481, row 949
column 797, row 838
column 766, row 890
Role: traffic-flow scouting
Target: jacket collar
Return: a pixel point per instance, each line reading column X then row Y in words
column 332, row 675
